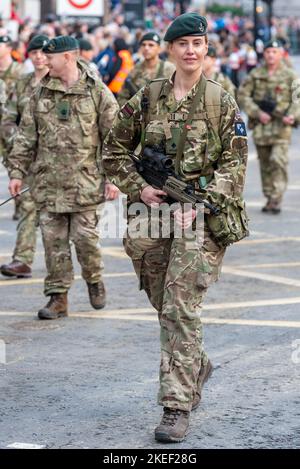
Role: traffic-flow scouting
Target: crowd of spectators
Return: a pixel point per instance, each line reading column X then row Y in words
column 231, row 34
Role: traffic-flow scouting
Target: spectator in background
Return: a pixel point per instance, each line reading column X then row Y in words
column 121, row 65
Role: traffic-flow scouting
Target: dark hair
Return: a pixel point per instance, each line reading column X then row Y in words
column 120, row 44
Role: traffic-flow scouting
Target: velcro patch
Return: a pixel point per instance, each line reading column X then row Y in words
column 240, row 129
column 127, row 111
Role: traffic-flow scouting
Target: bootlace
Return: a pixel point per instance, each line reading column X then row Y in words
column 170, row 416
column 52, row 300
column 97, row 288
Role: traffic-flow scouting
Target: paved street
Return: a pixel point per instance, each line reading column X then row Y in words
column 90, row 381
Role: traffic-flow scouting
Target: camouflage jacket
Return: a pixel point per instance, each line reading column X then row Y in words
column 64, row 130
column 225, row 82
column 2, row 100
column 220, row 158
column 139, row 77
column 279, row 87
column 22, row 91
column 10, row 76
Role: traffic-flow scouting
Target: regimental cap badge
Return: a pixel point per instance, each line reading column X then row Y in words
column 51, row 46
column 201, row 27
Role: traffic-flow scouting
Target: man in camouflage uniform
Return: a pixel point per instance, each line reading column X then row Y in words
column 266, row 96
column 174, row 273
column 64, row 125
column 26, row 230
column 150, row 68
column 10, row 72
column 209, row 69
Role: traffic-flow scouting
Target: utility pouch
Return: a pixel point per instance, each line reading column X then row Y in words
column 231, row 225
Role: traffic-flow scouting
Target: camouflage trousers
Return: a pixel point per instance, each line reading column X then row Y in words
column 273, row 161
column 175, row 273
column 58, row 230
column 26, row 230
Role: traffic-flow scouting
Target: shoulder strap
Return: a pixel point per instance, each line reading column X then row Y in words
column 148, row 104
column 155, row 87
column 213, row 103
column 160, row 71
column 180, row 147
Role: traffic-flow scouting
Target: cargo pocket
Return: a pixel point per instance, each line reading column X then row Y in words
column 90, row 186
column 86, row 115
column 211, row 263
column 136, row 257
column 43, row 109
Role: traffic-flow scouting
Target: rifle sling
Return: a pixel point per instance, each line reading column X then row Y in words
column 182, row 139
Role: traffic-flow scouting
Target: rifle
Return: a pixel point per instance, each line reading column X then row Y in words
column 157, row 169
column 268, row 104
column 14, row 196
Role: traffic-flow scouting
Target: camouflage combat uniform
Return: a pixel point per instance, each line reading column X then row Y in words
column 139, row 76
column 272, row 140
column 10, row 77
column 174, row 273
column 3, row 98
column 26, row 229
column 65, row 129
column 225, row 82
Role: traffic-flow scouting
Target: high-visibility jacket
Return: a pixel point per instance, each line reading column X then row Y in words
column 127, row 64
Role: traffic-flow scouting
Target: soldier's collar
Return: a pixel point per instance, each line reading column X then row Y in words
column 55, row 84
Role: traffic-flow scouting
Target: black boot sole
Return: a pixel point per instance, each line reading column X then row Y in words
column 44, row 317
column 165, row 438
column 10, row 274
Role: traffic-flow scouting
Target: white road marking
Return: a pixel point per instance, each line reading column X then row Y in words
column 259, row 276
column 18, row 445
column 257, row 204
column 266, row 266
column 245, row 242
column 130, row 315
column 35, row 281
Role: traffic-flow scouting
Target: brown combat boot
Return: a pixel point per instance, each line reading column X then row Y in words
column 204, row 374
column 272, row 206
column 173, row 426
column 97, row 294
column 57, row 307
column 267, row 208
column 275, row 206
column 16, row 269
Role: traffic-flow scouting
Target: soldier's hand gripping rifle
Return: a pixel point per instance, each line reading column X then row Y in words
column 157, row 169
column 14, row 196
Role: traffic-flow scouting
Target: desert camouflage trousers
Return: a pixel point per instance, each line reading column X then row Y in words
column 273, row 160
column 58, row 230
column 26, row 230
column 175, row 273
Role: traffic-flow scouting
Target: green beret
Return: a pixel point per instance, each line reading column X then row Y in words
column 212, row 51
column 37, row 42
column 188, row 24
column 61, row 44
column 275, row 43
column 5, row 39
column 84, row 44
column 150, row 37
